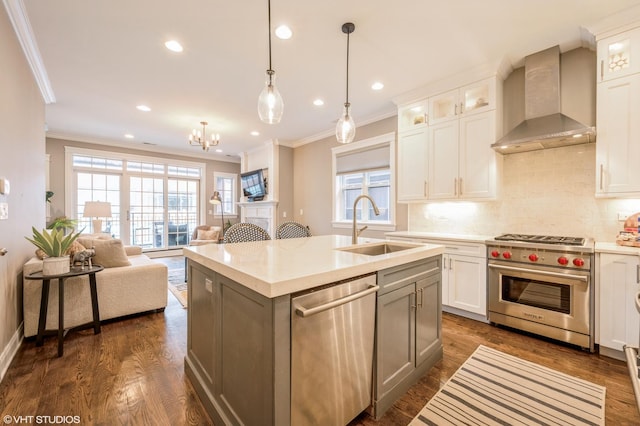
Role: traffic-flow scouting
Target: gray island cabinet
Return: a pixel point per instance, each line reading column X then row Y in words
column 239, row 344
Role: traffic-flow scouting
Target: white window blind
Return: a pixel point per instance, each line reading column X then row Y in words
column 371, row 158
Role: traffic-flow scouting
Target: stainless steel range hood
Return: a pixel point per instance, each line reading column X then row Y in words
column 544, row 126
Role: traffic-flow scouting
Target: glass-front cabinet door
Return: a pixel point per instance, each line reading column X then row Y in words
column 478, row 97
column 470, row 99
column 413, row 116
column 619, row 55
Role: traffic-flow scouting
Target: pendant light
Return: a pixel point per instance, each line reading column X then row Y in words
column 346, row 128
column 270, row 105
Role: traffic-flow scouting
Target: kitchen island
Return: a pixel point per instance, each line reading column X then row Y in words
column 241, row 345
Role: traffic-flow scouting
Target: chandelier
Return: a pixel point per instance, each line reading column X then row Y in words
column 198, row 137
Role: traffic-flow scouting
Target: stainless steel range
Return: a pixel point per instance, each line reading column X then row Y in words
column 543, row 285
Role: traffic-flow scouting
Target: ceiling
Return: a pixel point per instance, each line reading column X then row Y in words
column 103, row 58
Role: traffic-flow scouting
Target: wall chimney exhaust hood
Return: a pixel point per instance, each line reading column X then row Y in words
column 544, row 125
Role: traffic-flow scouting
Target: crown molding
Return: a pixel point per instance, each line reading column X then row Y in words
column 145, row 146
column 20, row 21
column 616, row 23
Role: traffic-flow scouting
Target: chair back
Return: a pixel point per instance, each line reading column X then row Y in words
column 243, row 232
column 292, row 230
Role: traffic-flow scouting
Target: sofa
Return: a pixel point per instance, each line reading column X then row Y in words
column 140, row 286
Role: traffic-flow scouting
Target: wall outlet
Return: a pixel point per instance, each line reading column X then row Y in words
column 622, row 216
column 301, row 213
column 4, row 211
column 284, row 214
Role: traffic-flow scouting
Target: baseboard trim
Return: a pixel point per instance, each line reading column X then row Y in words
column 10, row 350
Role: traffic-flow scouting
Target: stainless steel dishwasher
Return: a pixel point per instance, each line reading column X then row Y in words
column 332, row 338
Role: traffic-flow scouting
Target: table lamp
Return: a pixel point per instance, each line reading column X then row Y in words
column 97, row 209
column 216, row 200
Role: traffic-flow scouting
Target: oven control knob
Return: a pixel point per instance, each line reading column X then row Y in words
column 495, row 253
column 533, row 257
column 563, row 260
column 506, row 255
column 578, row 262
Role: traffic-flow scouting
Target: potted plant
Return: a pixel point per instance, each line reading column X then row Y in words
column 54, row 244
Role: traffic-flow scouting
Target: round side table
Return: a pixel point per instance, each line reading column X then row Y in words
column 44, row 300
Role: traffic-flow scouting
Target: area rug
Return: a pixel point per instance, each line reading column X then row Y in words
column 493, row 388
column 177, row 285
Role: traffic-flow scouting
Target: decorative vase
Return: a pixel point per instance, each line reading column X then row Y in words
column 55, row 265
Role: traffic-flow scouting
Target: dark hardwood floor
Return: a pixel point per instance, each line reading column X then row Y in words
column 133, row 373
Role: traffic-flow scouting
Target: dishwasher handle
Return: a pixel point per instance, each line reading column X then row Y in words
column 307, row 312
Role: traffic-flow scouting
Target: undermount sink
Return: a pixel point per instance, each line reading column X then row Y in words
column 376, row 249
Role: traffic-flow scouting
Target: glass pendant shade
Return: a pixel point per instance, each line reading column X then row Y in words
column 270, row 105
column 346, row 128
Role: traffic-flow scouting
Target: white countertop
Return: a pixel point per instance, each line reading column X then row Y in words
column 277, row 267
column 440, row 236
column 613, row 248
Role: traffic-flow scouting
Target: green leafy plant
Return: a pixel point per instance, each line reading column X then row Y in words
column 53, row 243
column 62, row 223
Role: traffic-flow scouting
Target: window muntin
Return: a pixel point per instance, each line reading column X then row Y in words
column 376, row 184
column 226, row 184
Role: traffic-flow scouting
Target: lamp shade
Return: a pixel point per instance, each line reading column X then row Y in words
column 97, row 209
column 215, row 198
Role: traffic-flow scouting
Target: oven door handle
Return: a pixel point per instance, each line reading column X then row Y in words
column 532, row 271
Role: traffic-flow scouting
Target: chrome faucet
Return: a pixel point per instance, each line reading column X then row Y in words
column 355, row 232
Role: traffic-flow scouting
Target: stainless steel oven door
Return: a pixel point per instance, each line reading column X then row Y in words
column 555, row 298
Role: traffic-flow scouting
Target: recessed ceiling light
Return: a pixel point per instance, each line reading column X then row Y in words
column 283, row 32
column 377, row 86
column 255, row 133
column 128, row 136
column 143, row 108
column 318, row 102
column 174, row 46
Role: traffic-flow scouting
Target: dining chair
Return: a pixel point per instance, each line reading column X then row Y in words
column 292, row 230
column 243, row 232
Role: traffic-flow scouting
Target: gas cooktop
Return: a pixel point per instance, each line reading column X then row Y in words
column 542, row 239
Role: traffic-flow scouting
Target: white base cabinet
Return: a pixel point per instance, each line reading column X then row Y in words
column 464, row 277
column 618, row 281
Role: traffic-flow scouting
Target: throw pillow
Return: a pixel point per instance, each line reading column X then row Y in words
column 109, row 253
column 208, row 235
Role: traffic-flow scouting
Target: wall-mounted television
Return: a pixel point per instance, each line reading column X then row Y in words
column 253, row 185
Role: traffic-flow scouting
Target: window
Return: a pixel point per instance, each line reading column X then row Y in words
column 155, row 202
column 365, row 168
column 226, row 185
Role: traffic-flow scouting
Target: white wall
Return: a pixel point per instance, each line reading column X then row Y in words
column 22, row 161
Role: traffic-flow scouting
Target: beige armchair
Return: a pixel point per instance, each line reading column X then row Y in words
column 205, row 234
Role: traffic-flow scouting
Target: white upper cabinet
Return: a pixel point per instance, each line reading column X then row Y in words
column 619, row 55
column 618, row 146
column 413, row 165
column 446, row 154
column 618, row 109
column 470, row 99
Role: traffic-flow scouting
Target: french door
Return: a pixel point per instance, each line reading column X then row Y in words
column 154, row 205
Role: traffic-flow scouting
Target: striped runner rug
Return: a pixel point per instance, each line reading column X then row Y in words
column 493, row 388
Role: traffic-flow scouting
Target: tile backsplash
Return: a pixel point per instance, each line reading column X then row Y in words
column 543, row 192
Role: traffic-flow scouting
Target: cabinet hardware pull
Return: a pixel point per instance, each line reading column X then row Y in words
column 426, row 118
column 415, row 298
column 455, row 110
column 460, row 186
column 421, row 290
column 461, row 108
column 602, row 70
column 601, row 177
column 450, row 264
column 637, row 274
column 455, row 186
column 426, row 189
